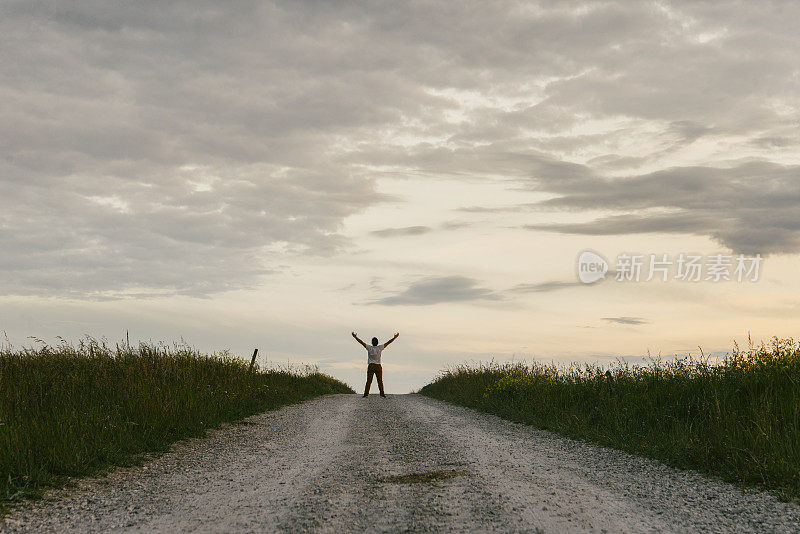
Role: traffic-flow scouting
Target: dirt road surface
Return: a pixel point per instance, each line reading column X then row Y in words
column 342, row 463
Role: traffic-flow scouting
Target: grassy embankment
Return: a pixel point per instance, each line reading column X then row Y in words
column 738, row 419
column 73, row 411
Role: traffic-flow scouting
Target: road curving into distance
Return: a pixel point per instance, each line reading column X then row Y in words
column 342, row 463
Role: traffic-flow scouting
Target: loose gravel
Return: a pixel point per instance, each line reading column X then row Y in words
column 342, row 463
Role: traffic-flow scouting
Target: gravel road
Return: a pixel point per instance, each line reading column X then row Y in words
column 342, row 463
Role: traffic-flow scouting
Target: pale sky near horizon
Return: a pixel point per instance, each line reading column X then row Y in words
column 275, row 175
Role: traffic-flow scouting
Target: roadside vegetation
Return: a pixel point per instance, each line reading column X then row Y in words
column 68, row 411
column 737, row 418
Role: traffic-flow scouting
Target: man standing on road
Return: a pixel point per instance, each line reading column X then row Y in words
column 374, row 361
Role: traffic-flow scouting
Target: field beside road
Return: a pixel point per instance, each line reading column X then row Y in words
column 69, row 411
column 738, row 418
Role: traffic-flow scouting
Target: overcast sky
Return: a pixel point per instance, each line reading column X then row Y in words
column 245, row 174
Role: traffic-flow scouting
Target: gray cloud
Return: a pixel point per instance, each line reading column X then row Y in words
column 750, row 208
column 437, row 290
column 543, row 287
column 625, row 320
column 408, row 230
column 455, row 225
column 146, row 148
column 456, row 288
column 420, row 230
column 180, row 147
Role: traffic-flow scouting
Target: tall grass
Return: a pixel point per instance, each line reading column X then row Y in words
column 738, row 418
column 70, row 411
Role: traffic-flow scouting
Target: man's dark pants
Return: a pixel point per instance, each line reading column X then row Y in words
column 377, row 370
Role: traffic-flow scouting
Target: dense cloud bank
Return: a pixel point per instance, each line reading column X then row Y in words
column 181, row 147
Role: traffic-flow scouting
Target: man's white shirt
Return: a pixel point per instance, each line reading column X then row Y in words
column 374, row 353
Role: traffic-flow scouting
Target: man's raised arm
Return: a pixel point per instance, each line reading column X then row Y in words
column 395, row 337
column 356, row 336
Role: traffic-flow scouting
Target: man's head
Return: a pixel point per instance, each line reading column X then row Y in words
column 374, row 341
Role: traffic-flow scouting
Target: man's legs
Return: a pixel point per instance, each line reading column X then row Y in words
column 370, row 372
column 379, row 374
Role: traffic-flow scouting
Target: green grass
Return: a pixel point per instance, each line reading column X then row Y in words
column 73, row 411
column 738, row 418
